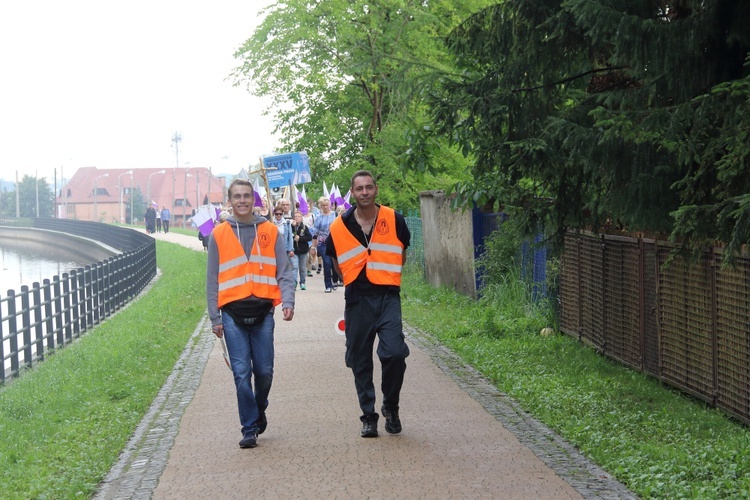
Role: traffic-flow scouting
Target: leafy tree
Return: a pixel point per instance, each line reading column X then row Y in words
column 347, row 77
column 606, row 114
column 28, row 187
column 140, row 204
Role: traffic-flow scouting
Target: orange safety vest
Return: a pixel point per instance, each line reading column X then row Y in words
column 382, row 259
column 240, row 276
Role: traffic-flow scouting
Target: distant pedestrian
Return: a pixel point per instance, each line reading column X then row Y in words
column 248, row 274
column 150, row 218
column 320, row 231
column 165, row 218
column 285, row 230
column 302, row 239
column 158, row 219
column 368, row 245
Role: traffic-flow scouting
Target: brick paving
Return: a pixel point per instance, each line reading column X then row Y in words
column 462, row 438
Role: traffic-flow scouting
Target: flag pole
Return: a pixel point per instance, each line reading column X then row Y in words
column 265, row 181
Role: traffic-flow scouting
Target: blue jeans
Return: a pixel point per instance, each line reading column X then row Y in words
column 327, row 265
column 251, row 354
column 294, row 261
column 302, row 266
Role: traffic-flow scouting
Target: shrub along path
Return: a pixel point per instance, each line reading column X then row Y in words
column 461, row 438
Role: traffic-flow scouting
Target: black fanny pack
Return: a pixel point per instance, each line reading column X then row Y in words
column 248, row 311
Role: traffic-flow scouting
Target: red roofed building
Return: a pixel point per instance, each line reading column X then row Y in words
column 105, row 195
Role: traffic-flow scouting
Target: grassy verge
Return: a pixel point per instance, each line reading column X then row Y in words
column 64, row 423
column 659, row 443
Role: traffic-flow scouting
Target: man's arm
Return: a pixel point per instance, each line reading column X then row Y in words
column 285, row 279
column 212, row 287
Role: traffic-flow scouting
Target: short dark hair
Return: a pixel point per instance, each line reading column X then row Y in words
column 362, row 173
column 239, row 182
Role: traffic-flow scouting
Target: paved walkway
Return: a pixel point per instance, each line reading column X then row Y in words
column 461, row 437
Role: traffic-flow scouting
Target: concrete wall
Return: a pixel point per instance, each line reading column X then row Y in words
column 448, row 244
column 56, row 245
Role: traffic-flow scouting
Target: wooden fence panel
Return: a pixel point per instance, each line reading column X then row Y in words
column 592, row 291
column 650, row 305
column 569, row 293
column 733, row 337
column 622, row 301
column 686, row 328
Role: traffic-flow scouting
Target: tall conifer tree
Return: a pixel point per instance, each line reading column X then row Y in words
column 607, row 114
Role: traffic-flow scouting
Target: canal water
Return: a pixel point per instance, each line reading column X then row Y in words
column 23, row 265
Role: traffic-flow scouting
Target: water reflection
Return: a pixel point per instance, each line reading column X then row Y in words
column 23, row 265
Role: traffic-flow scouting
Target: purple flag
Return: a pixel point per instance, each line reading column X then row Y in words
column 336, row 196
column 204, row 221
column 256, row 191
column 302, row 200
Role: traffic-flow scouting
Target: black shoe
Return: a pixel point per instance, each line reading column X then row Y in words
column 262, row 423
column 392, row 422
column 369, row 429
column 249, row 441
column 318, row 271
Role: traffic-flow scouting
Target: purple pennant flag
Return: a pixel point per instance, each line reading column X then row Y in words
column 256, row 191
column 203, row 220
column 336, row 196
column 302, row 201
column 206, row 227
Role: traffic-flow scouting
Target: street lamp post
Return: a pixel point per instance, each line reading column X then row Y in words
column 197, row 190
column 208, row 194
column 184, row 198
column 96, row 195
column 148, row 185
column 119, row 184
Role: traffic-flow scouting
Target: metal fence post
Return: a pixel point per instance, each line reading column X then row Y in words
column 49, row 326
column 38, row 330
column 12, row 334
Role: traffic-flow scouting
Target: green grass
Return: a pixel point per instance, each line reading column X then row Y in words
column 658, row 442
column 64, row 423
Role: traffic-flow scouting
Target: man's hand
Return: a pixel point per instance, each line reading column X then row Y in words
column 218, row 330
column 288, row 313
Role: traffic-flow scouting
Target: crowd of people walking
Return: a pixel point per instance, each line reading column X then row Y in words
column 157, row 220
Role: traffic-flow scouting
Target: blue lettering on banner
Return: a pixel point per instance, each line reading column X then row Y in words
column 291, row 168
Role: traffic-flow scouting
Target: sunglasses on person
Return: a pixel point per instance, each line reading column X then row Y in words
column 278, row 213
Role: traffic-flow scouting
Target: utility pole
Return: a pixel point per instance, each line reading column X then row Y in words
column 18, row 197
column 176, row 139
column 36, row 186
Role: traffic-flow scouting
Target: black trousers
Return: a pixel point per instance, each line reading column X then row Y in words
column 365, row 318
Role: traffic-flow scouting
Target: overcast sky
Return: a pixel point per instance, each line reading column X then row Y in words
column 107, row 84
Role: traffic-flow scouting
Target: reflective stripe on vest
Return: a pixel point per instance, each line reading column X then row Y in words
column 240, row 276
column 384, row 260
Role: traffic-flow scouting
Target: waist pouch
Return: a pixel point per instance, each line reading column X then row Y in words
column 248, row 311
